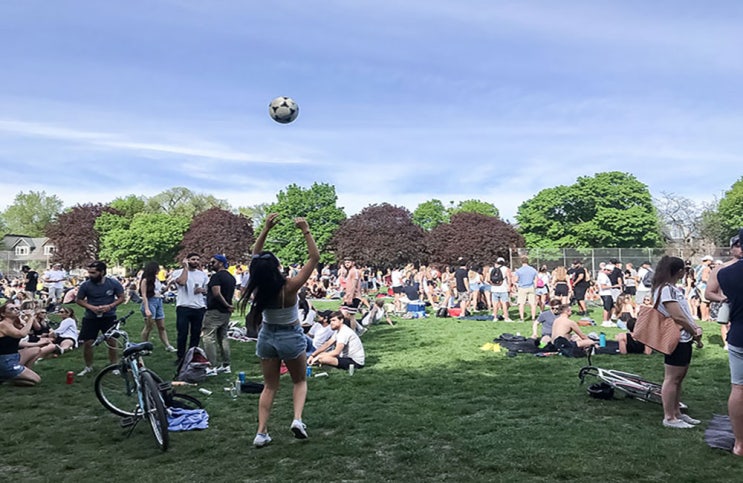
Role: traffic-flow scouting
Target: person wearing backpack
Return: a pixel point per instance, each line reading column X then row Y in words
column 500, row 285
column 281, row 338
column 645, row 277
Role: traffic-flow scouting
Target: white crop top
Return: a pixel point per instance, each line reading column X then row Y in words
column 282, row 316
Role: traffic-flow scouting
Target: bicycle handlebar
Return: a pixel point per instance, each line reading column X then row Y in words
column 114, row 330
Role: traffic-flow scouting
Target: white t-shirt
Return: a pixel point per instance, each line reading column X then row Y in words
column 674, row 294
column 373, row 317
column 56, row 278
column 320, row 334
column 352, row 347
column 502, row 287
column 67, row 329
column 396, row 278
column 602, row 279
column 186, row 296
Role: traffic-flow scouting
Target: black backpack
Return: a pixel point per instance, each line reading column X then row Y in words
column 647, row 280
column 496, row 276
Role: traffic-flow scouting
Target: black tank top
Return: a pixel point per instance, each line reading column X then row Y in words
column 9, row 345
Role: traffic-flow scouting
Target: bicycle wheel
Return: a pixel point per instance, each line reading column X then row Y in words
column 117, row 392
column 183, row 401
column 154, row 409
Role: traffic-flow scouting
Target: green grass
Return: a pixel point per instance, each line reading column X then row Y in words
column 429, row 406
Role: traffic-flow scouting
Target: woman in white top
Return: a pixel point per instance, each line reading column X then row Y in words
column 673, row 304
column 281, row 336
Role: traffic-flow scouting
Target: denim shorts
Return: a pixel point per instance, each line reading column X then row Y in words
column 735, row 357
column 156, row 308
column 501, row 296
column 10, row 366
column 285, row 342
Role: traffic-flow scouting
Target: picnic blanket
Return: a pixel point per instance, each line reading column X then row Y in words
column 523, row 345
column 719, row 433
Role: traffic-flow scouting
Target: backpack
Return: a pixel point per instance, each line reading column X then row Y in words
column 193, row 366
column 647, row 279
column 496, row 276
column 540, row 282
column 442, row 313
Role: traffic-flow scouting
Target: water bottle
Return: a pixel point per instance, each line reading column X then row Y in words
column 602, row 340
column 351, row 369
column 309, row 371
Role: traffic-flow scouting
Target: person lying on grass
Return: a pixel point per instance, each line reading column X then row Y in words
column 376, row 314
column 342, row 349
column 568, row 329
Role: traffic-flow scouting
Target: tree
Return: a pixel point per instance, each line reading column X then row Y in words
column 430, row 214
column 148, row 236
column 31, row 212
column 478, row 238
column 129, row 206
column 723, row 220
column 474, row 206
column 680, row 217
column 74, row 236
column 317, row 205
column 183, row 202
column 257, row 213
column 218, row 231
column 382, row 236
column 607, row 210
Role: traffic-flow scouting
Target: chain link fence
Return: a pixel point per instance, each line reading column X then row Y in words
column 592, row 257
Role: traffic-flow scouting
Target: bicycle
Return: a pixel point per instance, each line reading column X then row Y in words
column 130, row 390
column 631, row 385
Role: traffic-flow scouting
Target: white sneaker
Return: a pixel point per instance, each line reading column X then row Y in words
column 85, row 371
column 689, row 420
column 224, row 370
column 299, row 429
column 170, row 348
column 677, row 423
column 261, row 440
column 211, row 372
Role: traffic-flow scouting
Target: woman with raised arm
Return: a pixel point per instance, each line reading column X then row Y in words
column 281, row 338
column 14, row 326
column 672, row 303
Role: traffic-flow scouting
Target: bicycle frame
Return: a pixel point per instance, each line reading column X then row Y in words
column 631, row 384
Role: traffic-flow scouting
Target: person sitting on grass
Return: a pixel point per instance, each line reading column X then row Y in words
column 342, row 349
column 13, row 327
column 65, row 336
column 547, row 319
column 376, row 314
column 320, row 331
column 628, row 345
column 567, row 332
column 37, row 344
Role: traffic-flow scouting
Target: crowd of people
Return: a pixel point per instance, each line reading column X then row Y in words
column 292, row 334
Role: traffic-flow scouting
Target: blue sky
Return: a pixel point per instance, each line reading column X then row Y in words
column 400, row 101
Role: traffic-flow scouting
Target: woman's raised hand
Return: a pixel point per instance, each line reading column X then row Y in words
column 301, row 223
column 272, row 220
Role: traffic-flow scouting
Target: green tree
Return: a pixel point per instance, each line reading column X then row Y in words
column 257, row 213
column 430, row 214
column 129, row 205
column 611, row 209
column 183, row 202
column 317, row 204
column 474, row 206
column 31, row 212
column 147, row 236
column 728, row 215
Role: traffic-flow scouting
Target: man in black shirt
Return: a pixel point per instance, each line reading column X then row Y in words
column 220, row 290
column 32, row 281
column 463, row 285
column 616, row 277
column 579, row 282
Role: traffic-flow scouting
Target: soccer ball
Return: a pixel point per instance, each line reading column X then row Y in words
column 283, row 110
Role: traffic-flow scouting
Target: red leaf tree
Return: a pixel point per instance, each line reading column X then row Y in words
column 73, row 234
column 480, row 239
column 218, row 231
column 381, row 236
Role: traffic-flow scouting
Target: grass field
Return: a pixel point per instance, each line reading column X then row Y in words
column 429, row 406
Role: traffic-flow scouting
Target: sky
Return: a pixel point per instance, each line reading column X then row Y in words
column 400, row 101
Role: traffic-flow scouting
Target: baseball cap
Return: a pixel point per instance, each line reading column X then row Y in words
column 223, row 259
column 501, row 260
column 707, row 258
column 736, row 239
column 609, row 266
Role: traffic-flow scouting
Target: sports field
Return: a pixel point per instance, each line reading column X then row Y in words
column 429, row 406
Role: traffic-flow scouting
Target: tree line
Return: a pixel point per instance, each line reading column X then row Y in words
column 611, row 209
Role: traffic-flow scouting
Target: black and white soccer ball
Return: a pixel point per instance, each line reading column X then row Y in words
column 283, row 110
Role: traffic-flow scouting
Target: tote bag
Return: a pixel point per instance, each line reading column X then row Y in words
column 655, row 330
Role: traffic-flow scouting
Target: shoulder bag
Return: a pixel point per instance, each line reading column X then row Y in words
column 655, row 330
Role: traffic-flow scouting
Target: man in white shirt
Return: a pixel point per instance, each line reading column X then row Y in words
column 605, row 292
column 500, row 292
column 54, row 280
column 643, row 282
column 190, row 302
column 343, row 349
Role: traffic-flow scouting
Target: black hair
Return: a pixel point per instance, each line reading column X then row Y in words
column 149, row 274
column 98, row 265
column 192, row 254
column 667, row 270
column 264, row 285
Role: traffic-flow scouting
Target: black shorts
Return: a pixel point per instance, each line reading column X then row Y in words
column 634, row 347
column 58, row 340
column 681, row 357
column 579, row 291
column 351, row 308
column 92, row 326
column 397, row 289
column 608, row 301
column 630, row 290
column 561, row 289
column 345, row 362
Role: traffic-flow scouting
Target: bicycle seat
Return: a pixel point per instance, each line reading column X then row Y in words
column 134, row 348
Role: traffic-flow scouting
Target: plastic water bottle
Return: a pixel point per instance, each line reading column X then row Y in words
column 602, row 340
column 351, row 369
column 309, row 371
